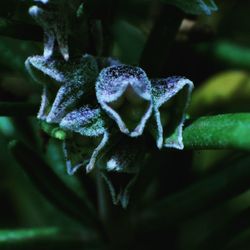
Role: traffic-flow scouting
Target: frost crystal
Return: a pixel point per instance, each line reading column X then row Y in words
column 112, row 84
column 163, row 91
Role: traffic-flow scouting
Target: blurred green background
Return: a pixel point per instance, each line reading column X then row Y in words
column 213, row 51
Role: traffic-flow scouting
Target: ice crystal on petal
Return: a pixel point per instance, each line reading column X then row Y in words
column 89, row 123
column 55, row 28
column 113, row 82
column 163, row 91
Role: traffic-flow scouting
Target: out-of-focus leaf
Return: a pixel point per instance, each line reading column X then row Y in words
column 44, row 238
column 228, row 53
column 229, row 131
column 15, row 52
column 20, row 30
column 160, row 40
column 195, row 7
column 25, row 130
column 225, row 92
column 223, row 236
column 200, row 196
column 52, row 187
column 130, row 42
column 6, row 127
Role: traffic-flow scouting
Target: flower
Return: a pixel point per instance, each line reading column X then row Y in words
column 89, row 123
column 169, row 122
column 114, row 83
column 72, row 80
column 109, row 109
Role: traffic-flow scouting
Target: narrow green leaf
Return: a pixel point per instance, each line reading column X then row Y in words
column 14, row 53
column 44, row 238
column 228, row 131
column 228, row 232
column 52, row 187
column 227, row 52
column 200, row 196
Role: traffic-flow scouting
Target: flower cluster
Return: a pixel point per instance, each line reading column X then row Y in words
column 108, row 109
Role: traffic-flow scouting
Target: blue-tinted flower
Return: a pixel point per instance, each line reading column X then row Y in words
column 70, row 80
column 89, row 123
column 170, row 97
column 117, row 84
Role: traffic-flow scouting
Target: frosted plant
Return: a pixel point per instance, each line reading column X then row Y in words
column 107, row 110
column 169, row 124
column 116, row 82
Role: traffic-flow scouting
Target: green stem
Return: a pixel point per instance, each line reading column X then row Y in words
column 200, row 196
column 160, row 40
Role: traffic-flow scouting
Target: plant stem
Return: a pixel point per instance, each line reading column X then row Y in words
column 160, row 40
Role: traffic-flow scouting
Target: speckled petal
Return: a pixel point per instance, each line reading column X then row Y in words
column 74, row 71
column 111, row 85
column 67, row 96
column 89, row 123
column 55, row 27
column 163, row 91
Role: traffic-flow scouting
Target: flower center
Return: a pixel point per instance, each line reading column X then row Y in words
column 131, row 107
